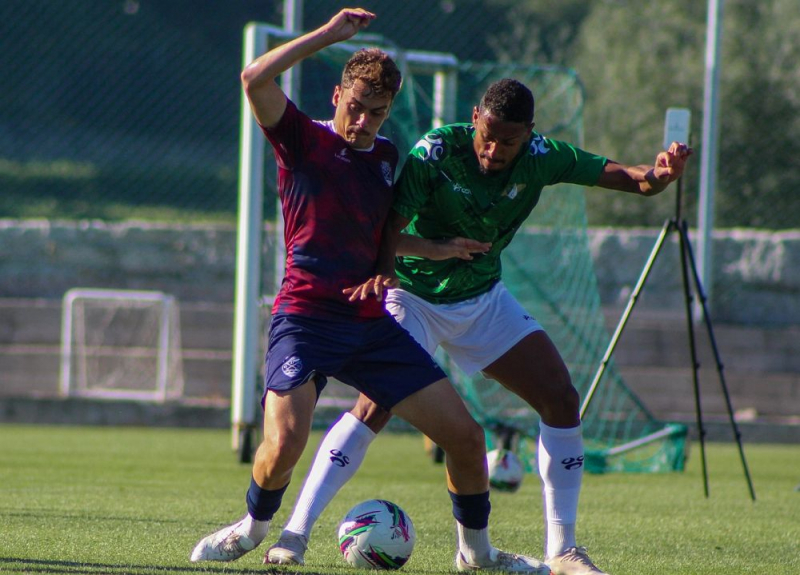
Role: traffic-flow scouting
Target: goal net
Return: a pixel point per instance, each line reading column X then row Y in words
column 548, row 266
column 120, row 344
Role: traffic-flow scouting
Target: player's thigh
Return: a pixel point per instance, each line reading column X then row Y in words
column 390, row 365
column 534, row 370
column 482, row 329
column 439, row 412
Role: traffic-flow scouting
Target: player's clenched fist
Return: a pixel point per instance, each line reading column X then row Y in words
column 347, row 23
column 669, row 165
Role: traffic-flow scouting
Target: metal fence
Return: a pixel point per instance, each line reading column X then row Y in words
column 120, row 109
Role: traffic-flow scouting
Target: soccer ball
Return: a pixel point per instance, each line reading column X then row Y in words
column 376, row 534
column 505, row 470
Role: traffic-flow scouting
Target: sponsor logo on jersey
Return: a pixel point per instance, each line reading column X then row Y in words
column 461, row 189
column 342, row 155
column 538, row 145
column 430, row 147
column 386, row 170
column 292, row 366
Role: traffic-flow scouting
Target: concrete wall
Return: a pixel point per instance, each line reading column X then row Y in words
column 756, row 309
column 756, row 274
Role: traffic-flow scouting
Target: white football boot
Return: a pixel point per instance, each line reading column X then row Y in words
column 228, row 543
column 574, row 561
column 502, row 561
column 289, row 550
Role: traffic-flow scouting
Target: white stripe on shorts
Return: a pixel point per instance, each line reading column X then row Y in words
column 474, row 332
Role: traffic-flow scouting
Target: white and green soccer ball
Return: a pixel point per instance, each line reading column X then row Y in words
column 376, row 534
column 506, row 471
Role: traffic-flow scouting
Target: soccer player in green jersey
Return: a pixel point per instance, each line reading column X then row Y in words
column 461, row 196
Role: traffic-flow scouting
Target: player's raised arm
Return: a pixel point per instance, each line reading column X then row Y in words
column 267, row 100
column 647, row 180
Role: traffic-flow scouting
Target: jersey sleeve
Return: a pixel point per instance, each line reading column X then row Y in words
column 569, row 164
column 289, row 137
column 413, row 187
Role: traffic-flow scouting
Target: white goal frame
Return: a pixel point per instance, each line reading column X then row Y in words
column 258, row 39
column 70, row 387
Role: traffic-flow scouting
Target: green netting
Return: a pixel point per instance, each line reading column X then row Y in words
column 548, row 267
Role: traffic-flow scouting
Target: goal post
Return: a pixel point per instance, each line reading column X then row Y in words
column 442, row 71
column 120, row 344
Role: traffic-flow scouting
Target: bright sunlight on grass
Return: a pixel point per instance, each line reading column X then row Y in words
column 119, row 500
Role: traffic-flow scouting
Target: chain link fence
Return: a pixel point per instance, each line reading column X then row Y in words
column 115, row 111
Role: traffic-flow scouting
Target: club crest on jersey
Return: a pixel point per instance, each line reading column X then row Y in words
column 538, row 145
column 431, row 147
column 292, row 366
column 515, row 189
column 343, row 156
column 386, row 170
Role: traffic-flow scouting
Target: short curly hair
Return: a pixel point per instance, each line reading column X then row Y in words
column 376, row 69
column 510, row 100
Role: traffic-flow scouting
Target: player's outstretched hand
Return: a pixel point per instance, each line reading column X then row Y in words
column 462, row 248
column 669, row 165
column 347, row 23
column 373, row 286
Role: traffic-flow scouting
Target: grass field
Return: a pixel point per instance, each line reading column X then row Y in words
column 109, row 500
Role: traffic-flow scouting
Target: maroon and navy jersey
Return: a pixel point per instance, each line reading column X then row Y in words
column 335, row 200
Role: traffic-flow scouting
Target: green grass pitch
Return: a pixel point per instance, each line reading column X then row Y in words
column 119, row 500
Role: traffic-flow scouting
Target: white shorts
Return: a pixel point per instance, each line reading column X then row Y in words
column 474, row 332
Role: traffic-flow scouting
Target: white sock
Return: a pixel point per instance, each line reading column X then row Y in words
column 254, row 529
column 339, row 456
column 561, row 469
column 473, row 544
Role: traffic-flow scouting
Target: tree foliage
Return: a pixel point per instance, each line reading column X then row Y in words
column 636, row 59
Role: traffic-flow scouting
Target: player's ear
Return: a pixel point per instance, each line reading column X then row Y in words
column 475, row 113
column 337, row 94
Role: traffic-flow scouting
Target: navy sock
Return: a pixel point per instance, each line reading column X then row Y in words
column 263, row 503
column 471, row 511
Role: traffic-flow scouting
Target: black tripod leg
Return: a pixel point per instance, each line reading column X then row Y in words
column 720, row 370
column 687, row 292
column 634, row 297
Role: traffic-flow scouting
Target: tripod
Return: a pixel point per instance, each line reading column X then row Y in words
column 678, row 224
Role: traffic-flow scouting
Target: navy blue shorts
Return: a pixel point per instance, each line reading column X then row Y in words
column 377, row 357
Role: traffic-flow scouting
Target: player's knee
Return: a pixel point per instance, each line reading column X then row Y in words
column 571, row 399
column 562, row 407
column 561, row 391
column 370, row 414
column 285, row 446
column 469, row 443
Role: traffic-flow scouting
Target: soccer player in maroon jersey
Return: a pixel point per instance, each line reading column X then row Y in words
column 335, row 185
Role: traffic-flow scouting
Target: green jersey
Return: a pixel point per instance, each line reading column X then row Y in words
column 444, row 194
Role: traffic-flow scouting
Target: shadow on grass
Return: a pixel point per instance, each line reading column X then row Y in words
column 12, row 564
